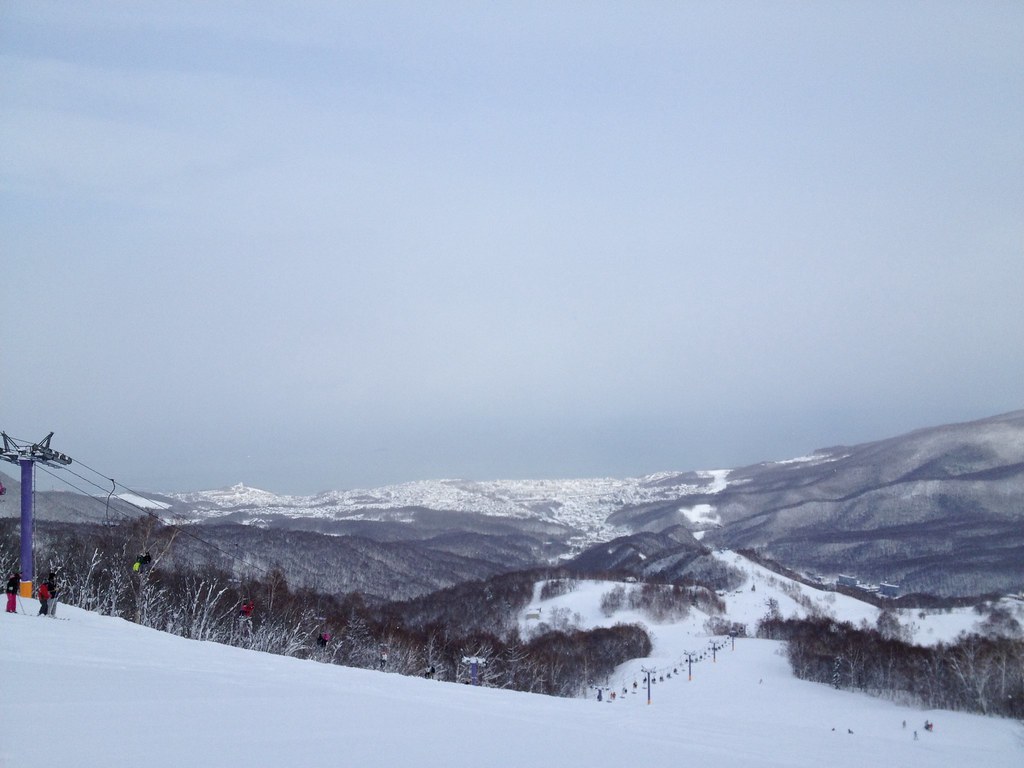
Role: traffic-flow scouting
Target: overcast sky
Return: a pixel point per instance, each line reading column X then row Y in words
column 317, row 246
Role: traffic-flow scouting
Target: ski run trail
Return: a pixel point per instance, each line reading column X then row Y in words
column 96, row 691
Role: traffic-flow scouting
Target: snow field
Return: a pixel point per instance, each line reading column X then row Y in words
column 98, row 691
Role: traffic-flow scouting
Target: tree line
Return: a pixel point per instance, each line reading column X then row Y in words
column 983, row 674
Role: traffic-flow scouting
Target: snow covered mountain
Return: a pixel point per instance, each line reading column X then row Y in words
column 937, row 510
column 580, row 506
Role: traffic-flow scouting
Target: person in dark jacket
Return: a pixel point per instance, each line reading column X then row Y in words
column 13, row 583
column 52, row 585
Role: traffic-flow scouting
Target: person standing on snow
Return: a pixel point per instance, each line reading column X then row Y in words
column 44, row 599
column 51, row 584
column 12, row 592
column 245, row 615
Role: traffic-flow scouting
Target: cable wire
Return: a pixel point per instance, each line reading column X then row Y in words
column 240, row 559
column 150, row 513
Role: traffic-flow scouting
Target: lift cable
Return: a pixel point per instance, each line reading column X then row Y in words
column 239, row 559
column 186, row 529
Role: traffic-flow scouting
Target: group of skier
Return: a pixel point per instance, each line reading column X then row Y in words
column 47, row 594
column 48, row 590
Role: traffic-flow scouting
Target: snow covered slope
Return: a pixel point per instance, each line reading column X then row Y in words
column 94, row 691
column 748, row 604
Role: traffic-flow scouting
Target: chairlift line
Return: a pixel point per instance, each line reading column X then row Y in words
column 247, row 560
column 29, row 454
column 106, row 511
column 145, row 511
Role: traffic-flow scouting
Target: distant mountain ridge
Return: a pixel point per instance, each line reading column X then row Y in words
column 581, row 505
column 938, row 510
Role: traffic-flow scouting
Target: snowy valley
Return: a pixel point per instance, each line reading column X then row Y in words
column 582, row 505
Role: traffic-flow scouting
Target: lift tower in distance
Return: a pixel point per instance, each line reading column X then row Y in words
column 26, row 455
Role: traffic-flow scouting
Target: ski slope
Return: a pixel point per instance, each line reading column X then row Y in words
column 99, row 691
column 749, row 604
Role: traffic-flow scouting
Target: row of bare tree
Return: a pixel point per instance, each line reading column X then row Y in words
column 661, row 602
column 433, row 635
column 975, row 673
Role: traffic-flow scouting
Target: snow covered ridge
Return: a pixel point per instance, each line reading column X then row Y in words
column 814, row 458
column 581, row 503
column 238, row 495
column 140, row 501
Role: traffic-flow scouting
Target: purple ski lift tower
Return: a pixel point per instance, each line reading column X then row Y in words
column 18, row 452
column 475, row 662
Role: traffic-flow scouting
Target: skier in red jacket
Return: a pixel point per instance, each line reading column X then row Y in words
column 245, row 615
column 44, row 598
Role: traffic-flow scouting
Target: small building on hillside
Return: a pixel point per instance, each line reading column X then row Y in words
column 847, row 581
column 889, row 590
